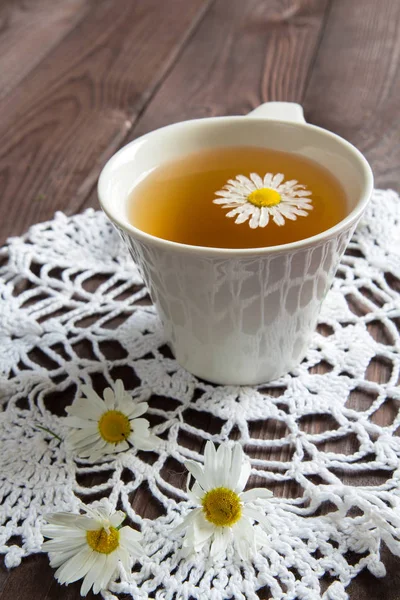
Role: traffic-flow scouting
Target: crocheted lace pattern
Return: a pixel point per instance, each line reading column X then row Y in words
column 73, row 310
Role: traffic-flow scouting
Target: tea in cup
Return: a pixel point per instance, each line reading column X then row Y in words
column 237, row 225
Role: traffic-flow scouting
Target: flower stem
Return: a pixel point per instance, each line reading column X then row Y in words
column 49, row 431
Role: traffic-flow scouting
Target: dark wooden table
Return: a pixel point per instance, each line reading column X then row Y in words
column 79, row 78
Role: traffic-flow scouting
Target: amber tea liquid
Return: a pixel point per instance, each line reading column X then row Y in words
column 175, row 201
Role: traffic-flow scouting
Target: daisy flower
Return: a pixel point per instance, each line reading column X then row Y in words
column 102, row 427
column 90, row 546
column 257, row 199
column 224, row 515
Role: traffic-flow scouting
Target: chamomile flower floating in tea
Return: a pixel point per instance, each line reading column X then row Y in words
column 225, row 514
column 258, row 199
column 90, row 546
column 182, row 196
column 101, row 427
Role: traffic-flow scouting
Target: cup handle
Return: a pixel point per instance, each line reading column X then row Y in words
column 279, row 111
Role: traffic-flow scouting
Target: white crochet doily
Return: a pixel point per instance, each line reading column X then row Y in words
column 73, row 310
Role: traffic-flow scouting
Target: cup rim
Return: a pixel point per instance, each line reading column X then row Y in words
column 344, row 224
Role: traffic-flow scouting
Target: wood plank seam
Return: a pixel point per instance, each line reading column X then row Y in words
column 325, row 20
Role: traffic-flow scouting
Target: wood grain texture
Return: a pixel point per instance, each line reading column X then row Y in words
column 80, row 101
column 263, row 51
column 354, row 89
column 34, row 580
column 29, row 31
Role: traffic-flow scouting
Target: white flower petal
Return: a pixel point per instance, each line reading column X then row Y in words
column 244, row 537
column 192, row 497
column 83, row 437
column 119, row 390
column 65, row 545
column 188, row 520
column 247, row 184
column 147, row 443
column 92, row 397
column 244, row 476
column 255, row 218
column 85, row 409
column 223, row 194
column 135, row 411
column 197, row 491
column 202, row 530
column 197, row 471
column 276, row 216
column 125, row 559
column 288, row 185
column 51, row 531
column 236, row 211
column 89, row 447
column 268, row 180
column 302, row 193
column 96, row 449
column 128, row 533
column 222, row 465
column 88, row 579
column 220, row 542
column 255, row 494
column 236, row 465
column 109, row 399
column 61, row 518
column 264, row 217
column 94, row 577
column 80, row 423
column 299, row 212
column 115, row 448
column 288, row 212
column 256, row 179
column 244, row 214
column 277, row 180
column 210, row 455
column 117, row 518
column 58, row 558
column 76, row 567
column 140, row 426
column 258, row 516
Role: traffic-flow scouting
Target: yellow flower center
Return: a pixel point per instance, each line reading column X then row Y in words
column 264, row 197
column 222, row 507
column 114, row 426
column 103, row 542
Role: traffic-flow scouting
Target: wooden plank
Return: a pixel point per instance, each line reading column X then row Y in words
column 354, row 89
column 79, row 102
column 34, row 580
column 29, row 31
column 262, row 52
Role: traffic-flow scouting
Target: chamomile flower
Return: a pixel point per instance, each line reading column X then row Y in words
column 90, row 546
column 225, row 514
column 258, row 199
column 101, row 427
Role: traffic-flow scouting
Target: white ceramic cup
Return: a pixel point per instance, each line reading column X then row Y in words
column 241, row 316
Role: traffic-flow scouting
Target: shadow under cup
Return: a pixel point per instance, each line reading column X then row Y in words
column 238, row 317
